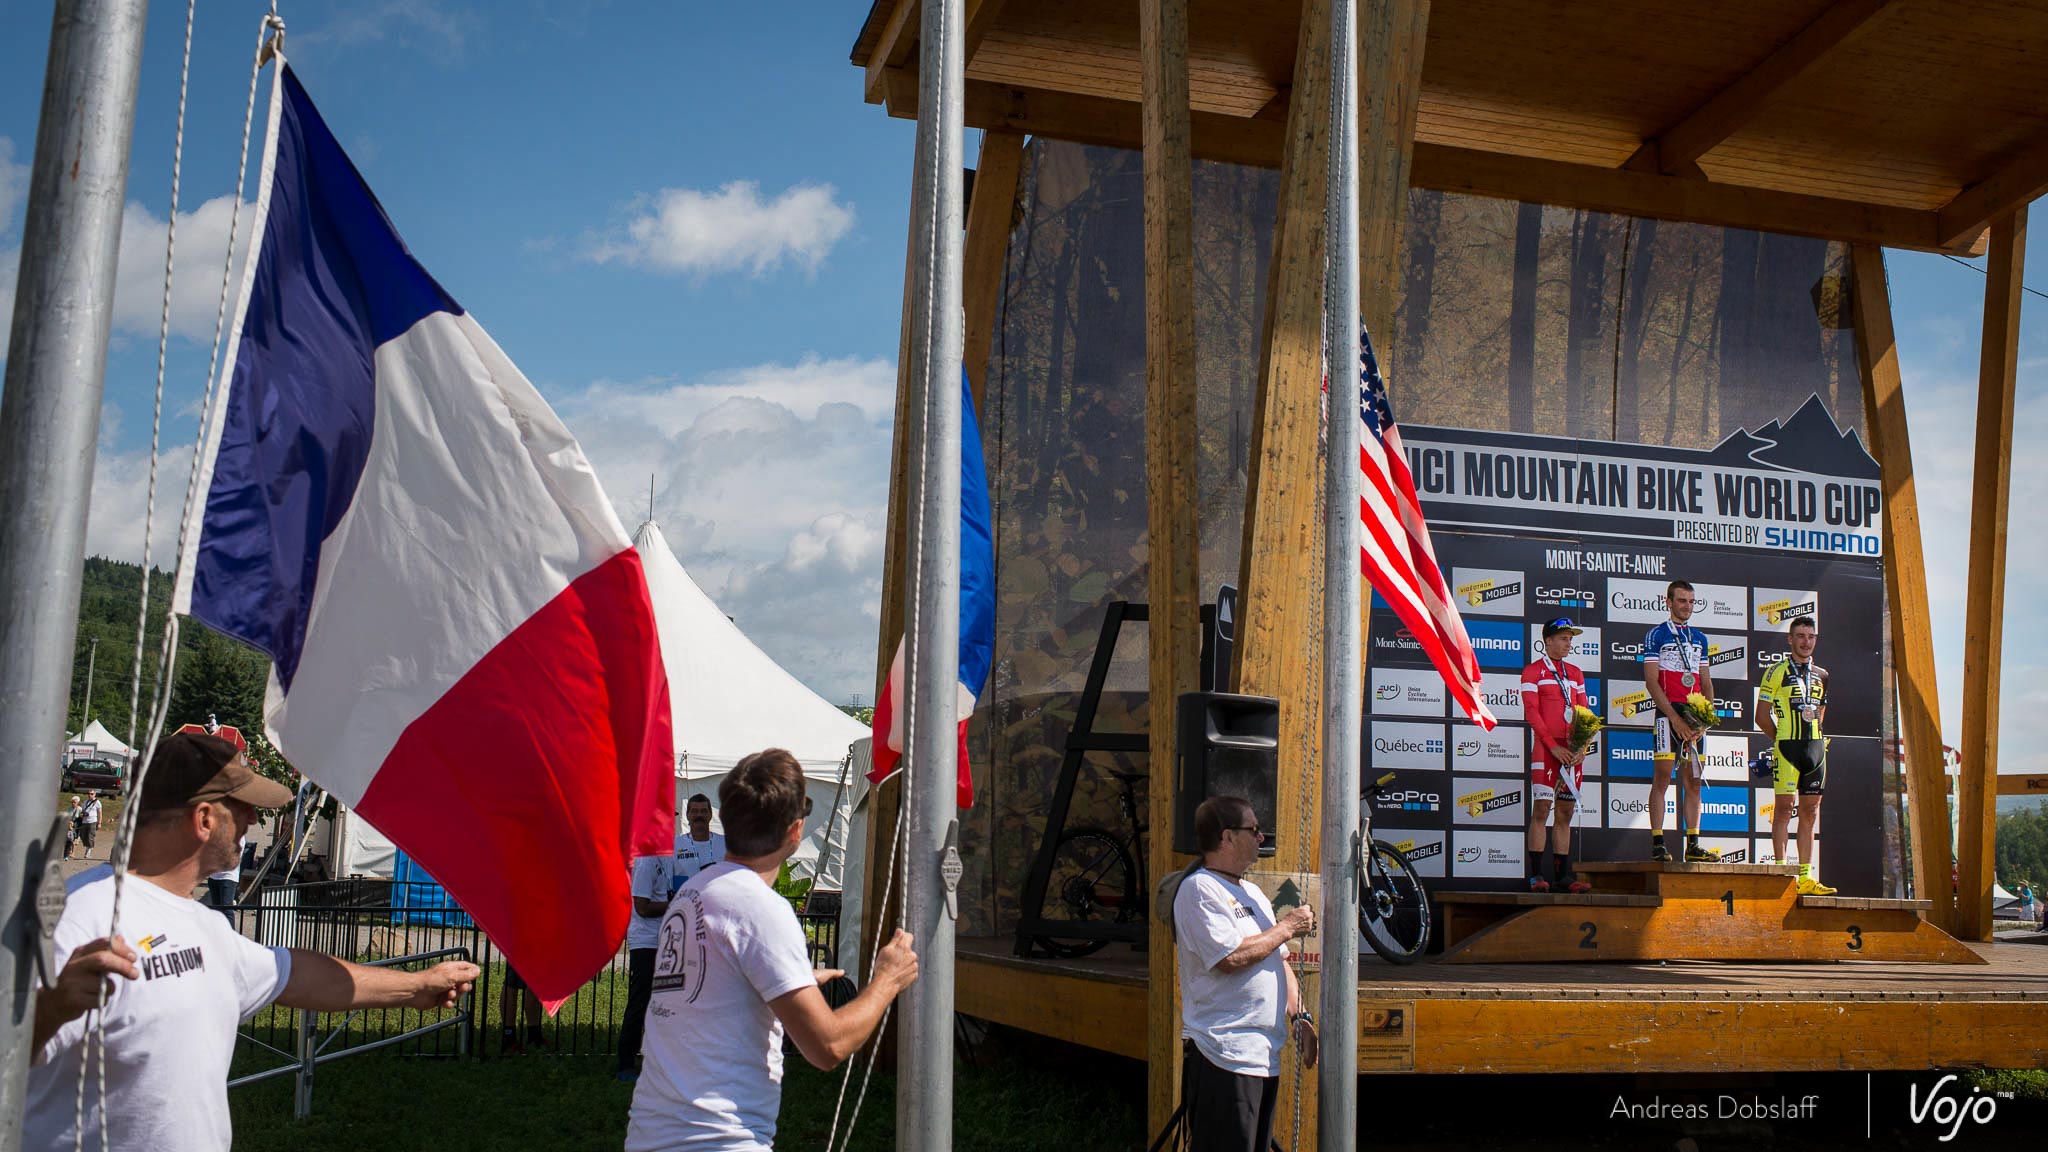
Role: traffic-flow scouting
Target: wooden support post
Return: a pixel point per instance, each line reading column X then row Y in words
column 988, row 220
column 1391, row 40
column 1984, row 633
column 1905, row 586
column 886, row 801
column 1173, row 543
column 988, row 242
column 1279, row 650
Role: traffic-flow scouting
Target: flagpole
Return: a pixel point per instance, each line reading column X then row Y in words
column 1343, row 696
column 49, row 428
column 924, row 1089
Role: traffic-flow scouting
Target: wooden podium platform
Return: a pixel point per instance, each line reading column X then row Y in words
column 1648, row 911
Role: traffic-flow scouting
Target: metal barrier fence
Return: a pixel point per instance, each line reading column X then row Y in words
column 400, row 922
column 309, row 1051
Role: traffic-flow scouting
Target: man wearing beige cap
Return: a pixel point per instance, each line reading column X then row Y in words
column 188, row 977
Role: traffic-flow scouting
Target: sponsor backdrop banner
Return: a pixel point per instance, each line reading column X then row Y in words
column 1770, row 525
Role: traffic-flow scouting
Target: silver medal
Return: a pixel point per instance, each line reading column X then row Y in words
column 1688, row 680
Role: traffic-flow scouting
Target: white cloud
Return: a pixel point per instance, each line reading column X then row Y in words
column 771, row 483
column 685, row 230
column 13, row 184
column 413, row 23
column 139, row 272
column 1938, row 363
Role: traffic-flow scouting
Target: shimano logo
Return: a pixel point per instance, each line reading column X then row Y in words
column 1629, row 754
column 1497, row 643
column 1724, row 808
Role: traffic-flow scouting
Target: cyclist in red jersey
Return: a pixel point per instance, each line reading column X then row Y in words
column 1551, row 687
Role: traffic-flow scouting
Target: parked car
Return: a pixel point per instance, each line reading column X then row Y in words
column 91, row 773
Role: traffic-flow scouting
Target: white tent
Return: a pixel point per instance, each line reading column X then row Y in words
column 109, row 745
column 728, row 699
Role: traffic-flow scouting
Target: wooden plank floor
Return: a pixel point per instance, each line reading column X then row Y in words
column 1675, row 1017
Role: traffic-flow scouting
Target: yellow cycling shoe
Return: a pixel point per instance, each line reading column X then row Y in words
column 1808, row 886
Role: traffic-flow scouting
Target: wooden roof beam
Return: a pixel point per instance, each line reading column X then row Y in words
column 2024, row 177
column 892, row 50
column 1258, row 141
column 1675, row 150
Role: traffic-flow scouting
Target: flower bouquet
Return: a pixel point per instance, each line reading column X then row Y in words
column 1586, row 724
column 1697, row 711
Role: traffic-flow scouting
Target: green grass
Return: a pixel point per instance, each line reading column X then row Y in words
column 1024, row 1098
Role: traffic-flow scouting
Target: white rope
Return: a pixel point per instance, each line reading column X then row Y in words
column 913, row 653
column 167, row 659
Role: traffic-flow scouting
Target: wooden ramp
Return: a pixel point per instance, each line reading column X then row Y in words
column 1670, row 911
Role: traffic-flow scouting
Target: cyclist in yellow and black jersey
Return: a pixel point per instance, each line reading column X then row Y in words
column 1791, row 706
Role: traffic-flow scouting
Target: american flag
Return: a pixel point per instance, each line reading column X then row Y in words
column 1397, row 556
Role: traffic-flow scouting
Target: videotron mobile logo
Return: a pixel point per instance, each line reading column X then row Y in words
column 1739, row 856
column 1634, row 704
column 1419, row 852
column 1486, row 800
column 1782, row 610
column 1487, row 591
column 1719, row 654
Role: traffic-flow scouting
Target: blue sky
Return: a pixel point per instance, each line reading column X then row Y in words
column 683, row 224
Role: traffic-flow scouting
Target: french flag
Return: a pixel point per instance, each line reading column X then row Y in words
column 977, row 615
column 463, row 645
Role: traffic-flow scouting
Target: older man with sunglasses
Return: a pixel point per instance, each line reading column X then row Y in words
column 1238, row 997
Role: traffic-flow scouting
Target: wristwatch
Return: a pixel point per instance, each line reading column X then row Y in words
column 1304, row 1014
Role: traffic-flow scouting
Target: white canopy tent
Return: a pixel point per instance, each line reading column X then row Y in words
column 110, row 746
column 727, row 699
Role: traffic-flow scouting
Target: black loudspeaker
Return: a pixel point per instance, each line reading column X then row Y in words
column 1227, row 745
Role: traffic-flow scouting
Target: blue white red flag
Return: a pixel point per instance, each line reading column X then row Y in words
column 463, row 647
column 977, row 615
column 1397, row 555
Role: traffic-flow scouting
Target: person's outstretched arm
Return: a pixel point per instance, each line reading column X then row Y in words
column 827, row 1037
column 325, row 984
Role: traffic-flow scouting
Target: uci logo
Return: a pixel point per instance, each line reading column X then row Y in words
column 1943, row 1109
column 1387, row 692
column 1468, row 748
column 1467, row 855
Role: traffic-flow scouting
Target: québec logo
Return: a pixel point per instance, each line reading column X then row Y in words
column 1941, row 1108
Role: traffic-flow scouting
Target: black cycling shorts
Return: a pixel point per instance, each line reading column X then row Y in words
column 1802, row 767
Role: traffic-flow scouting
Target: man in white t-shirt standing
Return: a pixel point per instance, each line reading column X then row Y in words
column 731, row 972
column 170, row 1024
column 89, row 822
column 1238, row 997
column 654, row 882
column 699, row 847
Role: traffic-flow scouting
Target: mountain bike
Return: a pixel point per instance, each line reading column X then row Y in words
column 1098, row 876
column 1393, row 909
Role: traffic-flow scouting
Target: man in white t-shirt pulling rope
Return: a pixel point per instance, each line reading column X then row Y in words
column 188, row 977
column 1238, row 997
column 732, row 972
